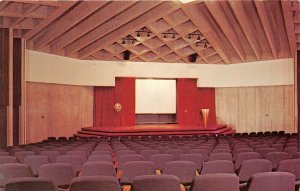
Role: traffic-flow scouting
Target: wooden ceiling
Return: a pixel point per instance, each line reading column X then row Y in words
column 236, row 31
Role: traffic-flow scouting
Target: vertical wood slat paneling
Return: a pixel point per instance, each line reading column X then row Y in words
column 3, row 127
column 297, row 79
column 17, row 64
column 10, row 113
column 16, row 124
column 17, row 77
column 248, row 109
column 57, row 110
column 4, row 60
column 4, row 86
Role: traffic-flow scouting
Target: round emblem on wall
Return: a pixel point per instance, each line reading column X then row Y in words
column 118, row 107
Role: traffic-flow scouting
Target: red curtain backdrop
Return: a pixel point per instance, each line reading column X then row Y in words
column 106, row 97
column 103, row 106
column 190, row 101
column 125, row 94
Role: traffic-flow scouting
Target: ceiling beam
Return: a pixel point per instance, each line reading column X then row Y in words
column 249, row 54
column 289, row 25
column 214, row 58
column 217, row 12
column 208, row 52
column 241, row 15
column 148, row 17
column 200, row 20
column 32, row 8
column 267, row 26
column 90, row 23
column 180, row 33
column 25, row 24
column 3, row 4
column 12, row 9
column 17, row 33
column 111, row 25
column 53, row 3
column 98, row 56
column 66, row 5
column 278, row 26
column 71, row 18
column 103, row 55
column 260, row 35
column 296, row 16
column 294, row 7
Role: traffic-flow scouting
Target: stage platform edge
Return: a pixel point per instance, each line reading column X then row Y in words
column 154, row 129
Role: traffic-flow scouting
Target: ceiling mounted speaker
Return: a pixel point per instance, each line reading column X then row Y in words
column 126, row 54
column 193, row 57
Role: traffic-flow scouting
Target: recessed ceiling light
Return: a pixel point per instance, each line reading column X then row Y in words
column 187, row 1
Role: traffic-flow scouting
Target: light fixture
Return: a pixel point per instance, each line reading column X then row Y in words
column 169, row 35
column 142, row 31
column 203, row 42
column 197, row 35
column 128, row 40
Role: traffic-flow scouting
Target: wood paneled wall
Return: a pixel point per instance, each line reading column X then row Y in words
column 4, row 84
column 18, row 48
column 246, row 109
column 297, row 84
column 57, row 110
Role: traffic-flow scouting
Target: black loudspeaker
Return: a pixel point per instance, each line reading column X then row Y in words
column 193, row 57
column 126, row 54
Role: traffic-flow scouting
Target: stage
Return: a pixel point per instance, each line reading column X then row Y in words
column 154, row 129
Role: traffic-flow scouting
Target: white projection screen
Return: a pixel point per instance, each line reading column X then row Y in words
column 155, row 96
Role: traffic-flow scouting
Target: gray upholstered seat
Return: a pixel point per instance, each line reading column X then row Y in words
column 98, row 168
column 95, row 183
column 30, row 184
column 61, row 174
column 216, row 182
column 156, row 182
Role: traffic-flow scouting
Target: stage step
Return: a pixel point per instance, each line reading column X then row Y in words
column 84, row 135
column 230, row 132
column 89, row 132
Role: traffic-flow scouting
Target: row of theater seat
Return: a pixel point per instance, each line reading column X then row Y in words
column 212, row 182
column 185, row 169
column 169, row 156
column 242, row 147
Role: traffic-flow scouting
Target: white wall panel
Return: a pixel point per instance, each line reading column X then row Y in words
column 47, row 68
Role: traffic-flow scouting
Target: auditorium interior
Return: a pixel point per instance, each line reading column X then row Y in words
column 149, row 95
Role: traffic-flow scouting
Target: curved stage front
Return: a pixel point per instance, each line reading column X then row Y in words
column 154, row 129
